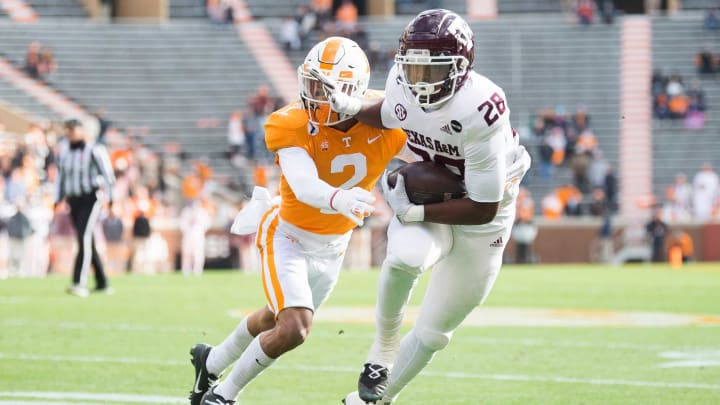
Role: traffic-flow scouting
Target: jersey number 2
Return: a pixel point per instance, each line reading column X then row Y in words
column 357, row 161
column 338, row 165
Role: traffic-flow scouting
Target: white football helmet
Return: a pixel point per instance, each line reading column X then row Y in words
column 341, row 60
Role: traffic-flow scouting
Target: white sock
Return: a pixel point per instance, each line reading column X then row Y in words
column 411, row 359
column 252, row 362
column 394, row 289
column 227, row 352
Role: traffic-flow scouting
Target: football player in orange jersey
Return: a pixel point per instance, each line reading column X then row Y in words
column 330, row 162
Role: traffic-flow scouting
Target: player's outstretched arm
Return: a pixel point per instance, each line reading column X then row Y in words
column 366, row 111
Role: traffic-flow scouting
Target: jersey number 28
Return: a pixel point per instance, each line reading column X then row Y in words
column 492, row 109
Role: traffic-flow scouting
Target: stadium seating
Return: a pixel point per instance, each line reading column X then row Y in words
column 186, row 9
column 163, row 77
column 676, row 149
column 529, row 6
column 58, row 8
column 24, row 102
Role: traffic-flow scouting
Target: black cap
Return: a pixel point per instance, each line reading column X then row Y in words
column 73, row 123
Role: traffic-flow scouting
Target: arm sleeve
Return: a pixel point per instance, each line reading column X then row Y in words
column 302, row 176
column 485, row 169
column 102, row 160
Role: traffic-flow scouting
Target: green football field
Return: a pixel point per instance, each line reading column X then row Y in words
column 547, row 335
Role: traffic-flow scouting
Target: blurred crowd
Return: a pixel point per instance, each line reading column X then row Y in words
column 40, row 63
column 568, row 141
column 698, row 200
column 673, row 99
column 154, row 195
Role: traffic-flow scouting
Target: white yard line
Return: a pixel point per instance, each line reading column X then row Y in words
column 353, row 370
column 128, row 327
column 13, row 402
column 101, row 397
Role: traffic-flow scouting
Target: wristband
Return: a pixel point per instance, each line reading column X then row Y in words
column 332, row 197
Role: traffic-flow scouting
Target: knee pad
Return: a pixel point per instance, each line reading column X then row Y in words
column 432, row 340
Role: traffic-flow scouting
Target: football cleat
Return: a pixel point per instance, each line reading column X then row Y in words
column 372, row 383
column 353, row 398
column 211, row 398
column 203, row 378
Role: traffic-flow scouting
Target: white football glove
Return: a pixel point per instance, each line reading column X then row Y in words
column 339, row 101
column 355, row 203
column 398, row 200
column 247, row 220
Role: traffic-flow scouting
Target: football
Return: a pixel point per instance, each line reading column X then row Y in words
column 429, row 182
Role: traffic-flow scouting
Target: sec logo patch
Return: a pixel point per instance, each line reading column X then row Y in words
column 400, row 112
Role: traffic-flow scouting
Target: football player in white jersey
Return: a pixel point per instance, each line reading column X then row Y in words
column 459, row 118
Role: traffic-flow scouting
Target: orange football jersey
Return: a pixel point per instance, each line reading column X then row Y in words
column 355, row 158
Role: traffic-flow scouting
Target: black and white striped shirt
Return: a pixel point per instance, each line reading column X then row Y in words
column 82, row 169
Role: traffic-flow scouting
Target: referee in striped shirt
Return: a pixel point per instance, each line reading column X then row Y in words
column 83, row 167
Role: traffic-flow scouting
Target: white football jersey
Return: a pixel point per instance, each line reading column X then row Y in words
column 470, row 134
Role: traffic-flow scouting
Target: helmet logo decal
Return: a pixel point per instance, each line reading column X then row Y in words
column 400, row 112
column 462, row 33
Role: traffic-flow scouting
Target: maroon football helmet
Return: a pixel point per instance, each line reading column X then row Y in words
column 436, row 53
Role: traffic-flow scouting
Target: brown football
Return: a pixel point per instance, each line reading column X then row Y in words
column 429, row 182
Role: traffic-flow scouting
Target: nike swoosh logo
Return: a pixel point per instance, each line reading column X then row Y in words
column 197, row 383
column 371, row 140
column 259, row 364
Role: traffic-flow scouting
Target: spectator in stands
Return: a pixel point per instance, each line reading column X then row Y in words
column 194, row 223
column 658, row 82
column 346, row 16
column 47, row 64
column 32, row 60
column 696, row 96
column 557, row 141
column 679, row 105
column 103, row 125
column 706, row 187
column 219, row 12
column 524, row 231
column 236, row 135
column 586, row 148
column 695, row 117
column 546, row 165
column 657, row 231
column 706, row 62
column 323, row 11
column 585, row 11
column 290, row 34
column 113, row 229
column 712, row 19
column 144, row 208
column 598, row 204
column 306, row 19
column 675, row 86
column 40, row 214
column 607, row 10
column 679, row 198
column 682, row 240
column 19, row 230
